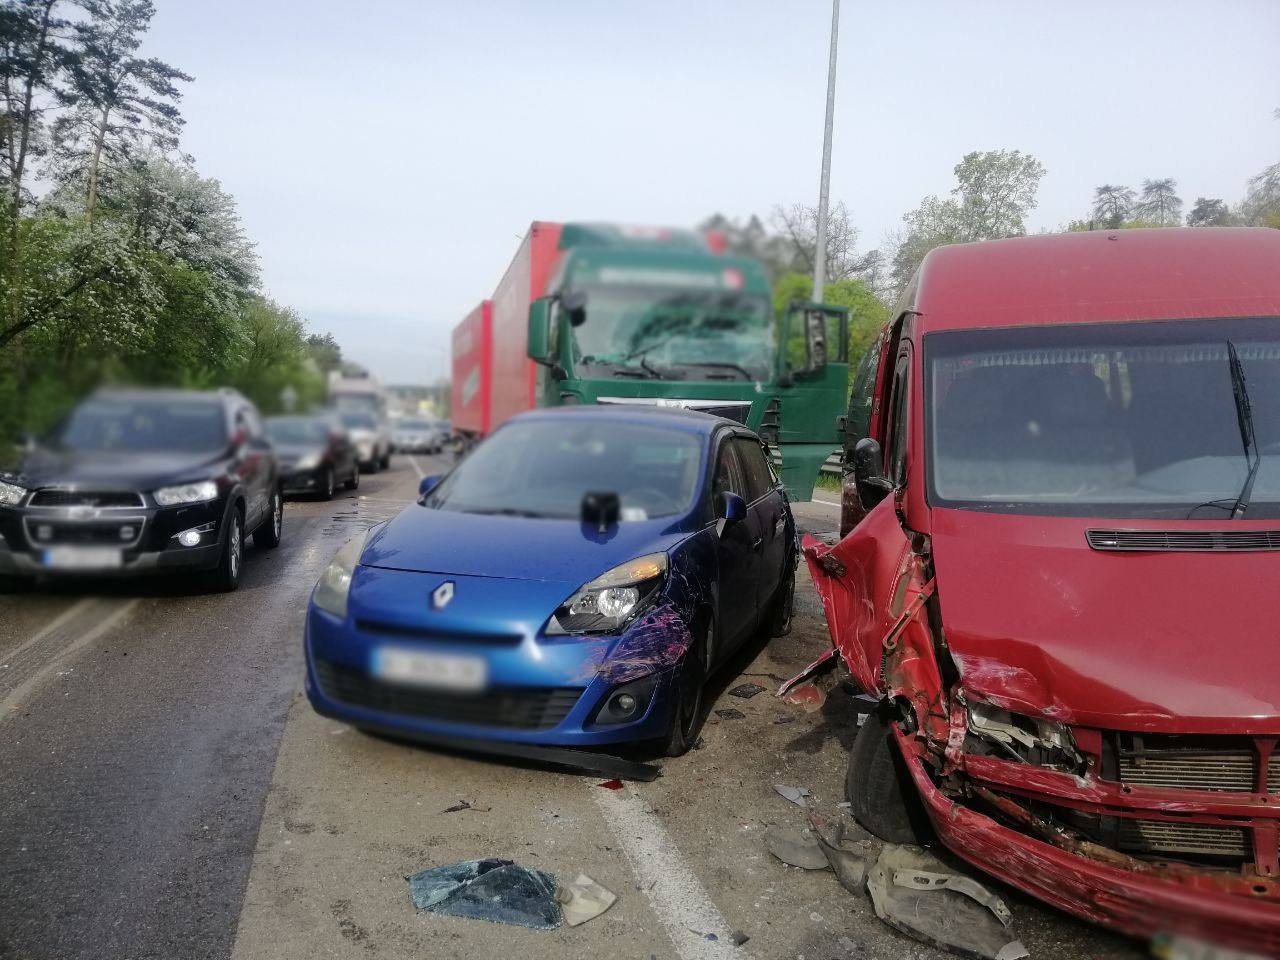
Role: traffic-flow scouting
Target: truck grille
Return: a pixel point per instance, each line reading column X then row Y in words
column 59, row 497
column 510, row 708
column 1159, row 836
column 1193, row 541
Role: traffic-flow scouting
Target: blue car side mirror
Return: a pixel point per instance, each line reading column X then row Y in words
column 429, row 483
column 731, row 508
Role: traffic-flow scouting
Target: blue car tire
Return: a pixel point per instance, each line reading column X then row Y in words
column 687, row 713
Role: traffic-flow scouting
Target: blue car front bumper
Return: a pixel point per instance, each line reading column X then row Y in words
column 544, row 691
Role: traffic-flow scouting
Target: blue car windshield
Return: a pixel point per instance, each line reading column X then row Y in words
column 543, row 468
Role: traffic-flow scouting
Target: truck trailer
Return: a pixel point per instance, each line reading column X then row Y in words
column 598, row 313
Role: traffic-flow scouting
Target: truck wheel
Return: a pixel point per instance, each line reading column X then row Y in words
column 267, row 536
column 688, row 715
column 879, row 789
column 225, row 577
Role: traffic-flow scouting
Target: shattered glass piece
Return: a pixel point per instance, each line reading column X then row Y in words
column 491, row 889
column 730, row 714
column 583, row 900
column 916, row 893
column 796, row 795
column 745, row 691
column 798, row 848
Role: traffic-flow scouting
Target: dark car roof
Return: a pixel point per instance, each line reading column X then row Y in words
column 166, row 393
column 674, row 418
column 1101, row 276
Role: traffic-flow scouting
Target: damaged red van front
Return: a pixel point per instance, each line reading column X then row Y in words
column 1060, row 583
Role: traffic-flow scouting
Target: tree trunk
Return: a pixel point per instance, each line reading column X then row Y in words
column 99, row 138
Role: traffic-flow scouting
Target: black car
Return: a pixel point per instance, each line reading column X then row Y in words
column 136, row 481
column 316, row 453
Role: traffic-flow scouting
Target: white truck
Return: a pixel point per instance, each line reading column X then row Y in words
column 360, row 403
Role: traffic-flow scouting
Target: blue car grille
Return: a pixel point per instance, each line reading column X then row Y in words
column 431, row 633
column 509, row 708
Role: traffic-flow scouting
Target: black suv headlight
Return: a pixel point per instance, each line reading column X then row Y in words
column 613, row 599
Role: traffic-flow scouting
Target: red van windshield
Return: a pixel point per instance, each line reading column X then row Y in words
column 1103, row 420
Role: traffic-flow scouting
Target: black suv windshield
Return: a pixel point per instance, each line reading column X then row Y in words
column 1104, row 420
column 298, row 430
column 144, row 425
column 543, row 469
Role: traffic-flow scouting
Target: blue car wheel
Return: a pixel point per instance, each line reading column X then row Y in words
column 687, row 714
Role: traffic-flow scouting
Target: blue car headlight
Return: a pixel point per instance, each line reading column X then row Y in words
column 613, row 599
column 335, row 583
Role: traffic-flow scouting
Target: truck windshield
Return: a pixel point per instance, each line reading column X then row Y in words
column 1104, row 420
column 676, row 334
column 543, row 468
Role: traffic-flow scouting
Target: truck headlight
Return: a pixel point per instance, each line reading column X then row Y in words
column 187, row 493
column 613, row 599
column 11, row 494
column 335, row 583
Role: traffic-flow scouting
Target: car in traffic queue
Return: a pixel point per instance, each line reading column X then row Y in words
column 316, row 454
column 1059, row 580
column 418, row 435
column 371, row 436
column 143, row 481
column 571, row 583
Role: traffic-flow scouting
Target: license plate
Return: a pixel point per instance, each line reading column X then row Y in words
column 83, row 558
column 418, row 668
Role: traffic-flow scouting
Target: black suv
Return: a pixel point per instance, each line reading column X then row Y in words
column 135, row 481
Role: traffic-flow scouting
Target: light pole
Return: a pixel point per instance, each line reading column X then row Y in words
column 820, row 246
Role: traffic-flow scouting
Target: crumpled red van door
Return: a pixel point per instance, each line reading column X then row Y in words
column 863, row 583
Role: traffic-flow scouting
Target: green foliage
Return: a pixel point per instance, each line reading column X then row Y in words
column 134, row 268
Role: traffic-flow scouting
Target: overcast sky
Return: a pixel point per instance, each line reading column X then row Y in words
column 387, row 155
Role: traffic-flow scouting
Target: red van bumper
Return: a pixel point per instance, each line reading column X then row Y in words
column 1136, row 903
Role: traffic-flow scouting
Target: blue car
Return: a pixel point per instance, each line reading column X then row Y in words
column 570, row 584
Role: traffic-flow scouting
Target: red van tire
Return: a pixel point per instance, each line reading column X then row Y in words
column 878, row 787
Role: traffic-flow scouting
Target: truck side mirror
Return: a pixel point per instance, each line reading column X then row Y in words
column 815, row 338
column 574, row 304
column 868, row 473
column 539, row 347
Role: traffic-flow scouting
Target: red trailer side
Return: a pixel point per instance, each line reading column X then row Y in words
column 514, row 379
column 473, row 371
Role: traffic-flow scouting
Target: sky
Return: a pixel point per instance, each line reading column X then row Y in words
column 388, row 155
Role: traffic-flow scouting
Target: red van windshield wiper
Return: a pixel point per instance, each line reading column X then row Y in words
column 1244, row 415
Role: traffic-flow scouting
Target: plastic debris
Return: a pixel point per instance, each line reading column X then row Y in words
column 808, row 696
column 797, row 795
column 583, row 900
column 745, row 691
column 785, row 718
column 738, row 938
column 797, row 848
column 614, row 784
column 500, row 891
column 916, row 893
column 730, row 714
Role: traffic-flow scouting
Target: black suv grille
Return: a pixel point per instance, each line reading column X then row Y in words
column 54, row 497
column 1184, row 541
column 511, row 708
column 123, row 533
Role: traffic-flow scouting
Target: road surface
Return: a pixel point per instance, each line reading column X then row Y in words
column 166, row 792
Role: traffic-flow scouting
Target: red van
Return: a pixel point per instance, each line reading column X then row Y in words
column 1062, row 574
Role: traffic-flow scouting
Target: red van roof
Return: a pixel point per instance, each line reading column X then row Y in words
column 1101, row 276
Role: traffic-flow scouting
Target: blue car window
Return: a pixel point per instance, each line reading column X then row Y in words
column 543, row 468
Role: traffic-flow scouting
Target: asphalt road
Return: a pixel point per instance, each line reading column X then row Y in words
column 166, row 792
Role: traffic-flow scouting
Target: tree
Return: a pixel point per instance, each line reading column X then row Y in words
column 122, row 100
column 1159, row 204
column 1210, row 212
column 994, row 192
column 867, row 312
column 325, row 352
column 1112, row 205
column 1261, row 205
column 797, row 225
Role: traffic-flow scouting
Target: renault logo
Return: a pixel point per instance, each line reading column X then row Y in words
column 441, row 595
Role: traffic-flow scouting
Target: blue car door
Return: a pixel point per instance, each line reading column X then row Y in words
column 768, row 517
column 736, row 552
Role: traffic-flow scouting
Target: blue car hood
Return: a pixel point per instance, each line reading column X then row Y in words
column 513, row 548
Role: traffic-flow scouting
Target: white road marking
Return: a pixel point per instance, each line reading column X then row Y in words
column 98, row 628
column 413, row 460
column 673, row 889
column 49, row 627
column 834, row 503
